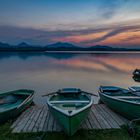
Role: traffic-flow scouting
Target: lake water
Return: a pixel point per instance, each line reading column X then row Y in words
column 46, row 72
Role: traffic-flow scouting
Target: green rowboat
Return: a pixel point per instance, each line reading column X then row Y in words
column 14, row 102
column 123, row 101
column 70, row 107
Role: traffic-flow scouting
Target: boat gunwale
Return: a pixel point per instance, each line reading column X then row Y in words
column 30, row 97
column 118, row 99
column 18, row 90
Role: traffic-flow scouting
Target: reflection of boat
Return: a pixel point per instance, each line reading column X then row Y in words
column 14, row 102
column 125, row 102
column 136, row 75
column 70, row 107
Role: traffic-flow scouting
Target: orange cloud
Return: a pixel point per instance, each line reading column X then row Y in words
column 81, row 38
column 127, row 38
column 123, row 36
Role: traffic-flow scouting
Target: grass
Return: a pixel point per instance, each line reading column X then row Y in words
column 113, row 134
column 93, row 135
column 5, row 134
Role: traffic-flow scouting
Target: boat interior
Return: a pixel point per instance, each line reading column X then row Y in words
column 70, row 101
column 8, row 101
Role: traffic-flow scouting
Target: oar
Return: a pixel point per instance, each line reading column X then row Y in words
column 90, row 93
column 49, row 94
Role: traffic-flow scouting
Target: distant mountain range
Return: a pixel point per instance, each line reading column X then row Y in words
column 59, row 46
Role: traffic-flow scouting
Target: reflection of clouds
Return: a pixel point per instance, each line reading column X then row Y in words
column 123, row 64
column 82, row 64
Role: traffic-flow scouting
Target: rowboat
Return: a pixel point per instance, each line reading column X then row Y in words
column 124, row 101
column 70, row 106
column 136, row 75
column 14, row 102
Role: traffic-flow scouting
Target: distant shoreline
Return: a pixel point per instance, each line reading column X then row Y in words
column 70, row 52
column 61, row 47
column 90, row 52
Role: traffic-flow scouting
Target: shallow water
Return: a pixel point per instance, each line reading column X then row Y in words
column 45, row 72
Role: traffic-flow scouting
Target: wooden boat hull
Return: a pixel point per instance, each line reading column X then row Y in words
column 70, row 107
column 70, row 124
column 17, row 109
column 126, row 109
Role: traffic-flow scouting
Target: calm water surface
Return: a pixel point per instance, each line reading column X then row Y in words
column 45, row 72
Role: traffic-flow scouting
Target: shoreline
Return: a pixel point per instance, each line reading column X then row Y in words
column 92, row 52
column 76, row 52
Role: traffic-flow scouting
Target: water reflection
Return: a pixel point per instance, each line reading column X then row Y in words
column 25, row 56
column 45, row 72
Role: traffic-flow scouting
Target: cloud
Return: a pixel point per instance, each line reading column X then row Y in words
column 134, row 37
column 115, row 32
column 15, row 35
column 109, row 8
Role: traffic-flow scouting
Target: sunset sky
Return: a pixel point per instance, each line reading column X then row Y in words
column 81, row 22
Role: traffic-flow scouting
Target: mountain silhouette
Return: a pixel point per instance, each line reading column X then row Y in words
column 23, row 44
column 59, row 46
